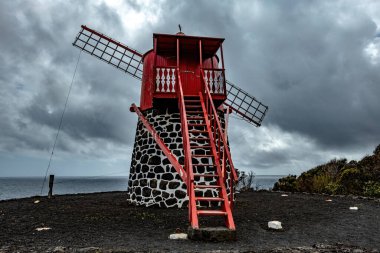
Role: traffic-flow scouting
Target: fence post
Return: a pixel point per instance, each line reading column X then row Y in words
column 51, row 183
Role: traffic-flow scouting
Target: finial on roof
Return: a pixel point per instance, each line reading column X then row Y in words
column 180, row 30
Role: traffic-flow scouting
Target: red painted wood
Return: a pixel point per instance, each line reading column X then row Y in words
column 164, row 55
column 187, row 153
column 218, row 128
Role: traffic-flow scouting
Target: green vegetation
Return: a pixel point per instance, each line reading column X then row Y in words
column 338, row 177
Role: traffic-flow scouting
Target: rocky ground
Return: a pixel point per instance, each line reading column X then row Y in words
column 105, row 222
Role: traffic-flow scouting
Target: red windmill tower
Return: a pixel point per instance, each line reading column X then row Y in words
column 181, row 154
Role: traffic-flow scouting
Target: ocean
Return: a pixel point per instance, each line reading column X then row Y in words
column 19, row 187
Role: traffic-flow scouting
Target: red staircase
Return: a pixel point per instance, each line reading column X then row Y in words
column 202, row 147
column 206, row 155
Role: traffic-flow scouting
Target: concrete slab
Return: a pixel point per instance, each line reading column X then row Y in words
column 215, row 234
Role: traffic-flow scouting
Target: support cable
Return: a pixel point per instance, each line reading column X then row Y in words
column 60, row 122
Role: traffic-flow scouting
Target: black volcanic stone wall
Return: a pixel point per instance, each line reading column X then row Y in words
column 153, row 181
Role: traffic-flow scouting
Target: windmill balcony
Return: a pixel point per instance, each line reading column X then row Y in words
column 165, row 79
column 165, row 82
column 215, row 80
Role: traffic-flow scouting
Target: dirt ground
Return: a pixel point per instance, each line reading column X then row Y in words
column 106, row 222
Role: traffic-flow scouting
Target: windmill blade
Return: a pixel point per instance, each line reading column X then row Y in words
column 111, row 51
column 245, row 105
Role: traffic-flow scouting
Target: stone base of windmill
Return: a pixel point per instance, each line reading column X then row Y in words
column 153, row 181
column 214, row 234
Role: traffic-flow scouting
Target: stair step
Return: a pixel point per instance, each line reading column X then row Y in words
column 199, row 138
column 209, row 199
column 201, row 147
column 197, row 131
column 193, row 106
column 194, row 112
column 195, row 118
column 195, row 124
column 201, row 186
column 211, row 212
column 202, row 165
column 202, row 155
column 205, row 175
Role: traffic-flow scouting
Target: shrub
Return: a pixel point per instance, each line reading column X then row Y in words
column 372, row 189
column 332, row 188
column 376, row 152
column 288, row 183
column 320, row 183
column 351, row 181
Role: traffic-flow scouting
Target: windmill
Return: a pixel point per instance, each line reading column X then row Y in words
column 181, row 155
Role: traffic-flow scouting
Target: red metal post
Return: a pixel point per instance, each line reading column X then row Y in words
column 178, row 54
column 221, row 54
column 200, row 55
column 219, row 129
column 225, row 206
column 224, row 77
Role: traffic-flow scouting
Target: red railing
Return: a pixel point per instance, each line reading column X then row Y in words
column 193, row 217
column 223, row 152
column 165, row 79
column 214, row 78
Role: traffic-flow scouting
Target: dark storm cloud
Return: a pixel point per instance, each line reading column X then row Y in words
column 305, row 59
column 40, row 61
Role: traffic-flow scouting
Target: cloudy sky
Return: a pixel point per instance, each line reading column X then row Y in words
column 315, row 63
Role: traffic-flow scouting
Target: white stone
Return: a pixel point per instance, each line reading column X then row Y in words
column 354, row 208
column 284, row 195
column 36, row 202
column 59, row 249
column 274, row 224
column 328, row 200
column 43, row 229
column 178, row 236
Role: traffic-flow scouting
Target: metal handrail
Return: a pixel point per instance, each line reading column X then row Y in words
column 217, row 127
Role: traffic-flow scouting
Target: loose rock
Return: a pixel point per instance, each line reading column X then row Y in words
column 274, row 225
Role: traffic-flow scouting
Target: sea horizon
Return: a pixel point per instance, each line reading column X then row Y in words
column 28, row 186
